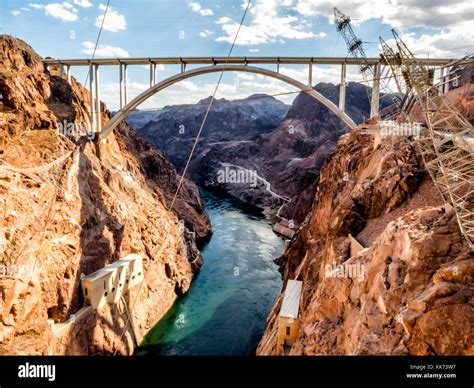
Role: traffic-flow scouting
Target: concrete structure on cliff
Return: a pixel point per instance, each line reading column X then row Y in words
column 108, row 284
column 288, row 319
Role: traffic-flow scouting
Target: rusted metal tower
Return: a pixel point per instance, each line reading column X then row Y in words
column 370, row 73
column 447, row 144
column 353, row 43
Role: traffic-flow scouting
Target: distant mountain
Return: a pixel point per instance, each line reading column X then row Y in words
column 140, row 118
column 174, row 128
column 285, row 147
column 289, row 157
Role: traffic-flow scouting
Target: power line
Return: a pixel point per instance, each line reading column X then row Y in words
column 209, row 107
column 98, row 37
column 195, row 144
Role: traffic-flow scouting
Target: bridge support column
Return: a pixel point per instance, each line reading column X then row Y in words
column 68, row 74
column 91, row 95
column 152, row 74
column 97, row 100
column 375, row 99
column 125, row 87
column 121, row 84
column 447, row 80
column 342, row 89
column 310, row 75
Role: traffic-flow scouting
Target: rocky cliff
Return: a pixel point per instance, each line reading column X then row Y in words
column 70, row 205
column 410, row 291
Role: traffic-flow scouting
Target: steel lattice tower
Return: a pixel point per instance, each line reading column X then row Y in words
column 353, row 43
column 356, row 50
column 447, row 144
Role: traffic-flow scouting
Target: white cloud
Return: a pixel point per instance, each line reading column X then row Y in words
column 451, row 21
column 64, row 11
column 328, row 74
column 83, row 3
column 399, row 14
column 113, row 22
column 104, row 51
column 267, row 25
column 15, row 12
column 451, row 43
column 196, row 7
column 206, row 33
column 159, row 67
column 256, row 50
column 245, row 76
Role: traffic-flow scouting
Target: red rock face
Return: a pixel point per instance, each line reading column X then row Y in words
column 415, row 295
column 70, row 206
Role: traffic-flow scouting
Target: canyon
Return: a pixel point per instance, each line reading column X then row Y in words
column 284, row 147
column 70, row 206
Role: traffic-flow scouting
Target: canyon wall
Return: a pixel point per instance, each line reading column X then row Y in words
column 70, row 205
column 410, row 291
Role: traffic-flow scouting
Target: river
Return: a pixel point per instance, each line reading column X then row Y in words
column 225, row 310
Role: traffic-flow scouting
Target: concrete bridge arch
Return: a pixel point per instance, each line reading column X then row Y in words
column 132, row 105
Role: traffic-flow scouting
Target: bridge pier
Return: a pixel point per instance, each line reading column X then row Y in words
column 447, row 79
column 91, row 96
column 375, row 99
column 68, row 74
column 342, row 89
column 123, row 84
column 98, row 127
column 152, row 75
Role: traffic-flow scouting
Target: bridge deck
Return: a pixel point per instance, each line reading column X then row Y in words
column 232, row 60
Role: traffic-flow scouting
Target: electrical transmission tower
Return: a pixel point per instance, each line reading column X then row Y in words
column 447, row 144
column 368, row 71
column 353, row 43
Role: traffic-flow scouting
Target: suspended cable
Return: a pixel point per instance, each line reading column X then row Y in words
column 98, row 37
column 170, row 207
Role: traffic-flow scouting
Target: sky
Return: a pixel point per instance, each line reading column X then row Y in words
column 185, row 28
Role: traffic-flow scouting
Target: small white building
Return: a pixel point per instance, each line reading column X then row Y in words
column 288, row 319
column 108, row 284
column 97, row 287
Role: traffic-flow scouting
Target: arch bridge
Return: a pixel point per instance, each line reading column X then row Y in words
column 219, row 64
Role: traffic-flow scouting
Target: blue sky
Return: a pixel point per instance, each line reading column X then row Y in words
column 144, row 28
